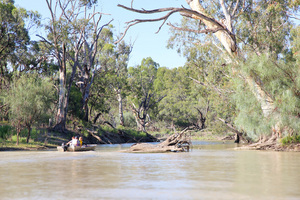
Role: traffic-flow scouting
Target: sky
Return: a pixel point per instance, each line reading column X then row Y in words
column 146, row 42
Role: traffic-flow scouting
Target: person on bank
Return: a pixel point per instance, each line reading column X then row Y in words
column 80, row 141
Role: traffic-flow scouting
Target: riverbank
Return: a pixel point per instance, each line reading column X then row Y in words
column 294, row 147
column 26, row 148
column 50, row 140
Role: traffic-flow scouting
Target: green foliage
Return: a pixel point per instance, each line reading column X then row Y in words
column 13, row 32
column 132, row 132
column 269, row 48
column 5, row 131
column 14, row 39
column 270, row 57
column 29, row 99
column 290, row 139
column 34, row 134
column 141, row 79
column 75, row 102
column 256, row 27
column 142, row 94
column 249, row 116
column 279, row 80
column 107, row 129
column 129, row 120
column 21, row 139
column 178, row 105
column 111, row 83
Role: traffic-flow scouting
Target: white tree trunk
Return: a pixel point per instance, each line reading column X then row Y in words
column 62, row 101
column 223, row 36
column 120, row 100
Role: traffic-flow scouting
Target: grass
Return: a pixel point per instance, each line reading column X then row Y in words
column 23, row 145
column 8, row 138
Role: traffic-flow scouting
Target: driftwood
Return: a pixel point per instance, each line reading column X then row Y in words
column 268, row 143
column 178, row 142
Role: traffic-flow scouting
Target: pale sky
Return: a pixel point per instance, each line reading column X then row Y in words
column 146, row 42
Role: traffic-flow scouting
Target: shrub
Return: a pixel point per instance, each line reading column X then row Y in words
column 290, row 139
column 5, row 132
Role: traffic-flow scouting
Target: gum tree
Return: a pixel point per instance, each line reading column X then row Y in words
column 225, row 21
column 73, row 34
column 142, row 96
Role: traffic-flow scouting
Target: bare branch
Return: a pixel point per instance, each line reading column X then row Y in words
column 292, row 15
column 201, row 83
column 170, row 11
column 123, row 35
column 235, row 8
column 227, row 16
column 44, row 39
column 143, row 11
column 225, row 11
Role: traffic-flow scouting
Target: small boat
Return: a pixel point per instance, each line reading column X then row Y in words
column 88, row 147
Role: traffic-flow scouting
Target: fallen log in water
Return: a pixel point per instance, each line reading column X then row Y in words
column 178, row 142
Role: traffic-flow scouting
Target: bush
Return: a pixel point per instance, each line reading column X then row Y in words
column 21, row 139
column 290, row 139
column 5, row 132
column 129, row 120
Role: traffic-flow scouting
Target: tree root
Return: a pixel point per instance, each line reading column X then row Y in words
column 271, row 144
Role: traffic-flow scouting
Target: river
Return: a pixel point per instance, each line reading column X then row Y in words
column 212, row 170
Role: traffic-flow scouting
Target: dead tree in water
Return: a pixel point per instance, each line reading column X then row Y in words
column 239, row 135
column 178, row 142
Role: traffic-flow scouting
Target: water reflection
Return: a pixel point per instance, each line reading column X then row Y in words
column 210, row 171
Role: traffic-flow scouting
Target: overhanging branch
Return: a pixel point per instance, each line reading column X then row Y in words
column 170, row 11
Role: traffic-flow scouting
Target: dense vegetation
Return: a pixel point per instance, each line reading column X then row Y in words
column 77, row 76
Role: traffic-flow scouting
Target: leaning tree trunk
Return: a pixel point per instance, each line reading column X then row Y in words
column 139, row 122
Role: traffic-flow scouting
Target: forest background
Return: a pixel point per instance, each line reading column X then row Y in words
column 241, row 71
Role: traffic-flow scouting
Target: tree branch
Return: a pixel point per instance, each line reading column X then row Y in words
column 195, row 31
column 235, row 8
column 170, row 11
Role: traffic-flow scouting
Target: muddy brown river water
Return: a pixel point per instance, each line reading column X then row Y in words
column 212, row 170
